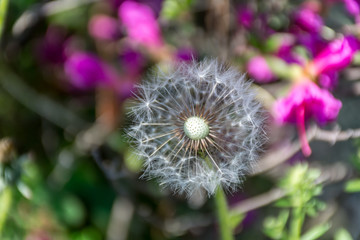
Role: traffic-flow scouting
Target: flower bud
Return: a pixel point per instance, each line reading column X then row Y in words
column 140, row 23
column 336, row 55
column 103, row 27
column 259, row 69
column 308, row 20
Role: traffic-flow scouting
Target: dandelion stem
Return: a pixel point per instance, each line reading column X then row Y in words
column 223, row 215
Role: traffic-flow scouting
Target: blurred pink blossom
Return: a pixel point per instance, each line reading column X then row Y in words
column 85, row 70
column 308, row 20
column 328, row 80
column 132, row 61
column 259, row 69
column 313, row 42
column 337, row 55
column 352, row 6
column 104, row 27
column 304, row 102
column 245, row 16
column 51, row 49
column 185, row 54
column 140, row 23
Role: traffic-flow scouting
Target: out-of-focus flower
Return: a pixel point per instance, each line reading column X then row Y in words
column 259, row 69
column 328, row 80
column 286, row 53
column 51, row 49
column 336, row 56
column 132, row 61
column 245, row 16
column 352, row 6
column 185, row 54
column 197, row 126
column 306, row 101
column 85, row 70
column 140, row 23
column 314, row 43
column 308, row 20
column 104, row 27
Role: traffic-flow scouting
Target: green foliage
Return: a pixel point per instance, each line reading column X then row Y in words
column 352, row 186
column 174, row 8
column 74, row 19
column 342, row 234
column 316, row 232
column 3, row 10
column 274, row 226
column 301, row 190
column 235, row 219
column 132, row 161
column 301, row 187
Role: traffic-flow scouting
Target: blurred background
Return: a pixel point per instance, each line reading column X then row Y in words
column 67, row 74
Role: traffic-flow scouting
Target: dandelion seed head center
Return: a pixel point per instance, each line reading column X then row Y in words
column 196, row 128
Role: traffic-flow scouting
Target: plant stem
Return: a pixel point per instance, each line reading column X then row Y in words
column 296, row 223
column 223, row 215
column 3, row 9
column 5, row 202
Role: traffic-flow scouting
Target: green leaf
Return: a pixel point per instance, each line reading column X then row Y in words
column 353, row 186
column 275, row 227
column 283, row 203
column 342, row 234
column 316, row 232
column 235, row 219
column 70, row 210
column 173, row 8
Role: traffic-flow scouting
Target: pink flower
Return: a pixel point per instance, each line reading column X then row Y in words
column 132, row 61
column 104, row 27
column 140, row 23
column 259, row 69
column 85, row 71
column 185, row 54
column 245, row 16
column 328, row 80
column 352, row 6
column 308, row 20
column 304, row 102
column 313, row 42
column 51, row 49
column 337, row 55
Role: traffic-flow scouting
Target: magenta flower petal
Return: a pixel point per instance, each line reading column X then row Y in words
column 104, row 27
column 245, row 16
column 185, row 54
column 308, row 20
column 51, row 49
column 337, row 55
column 85, row 70
column 259, row 69
column 306, row 101
column 132, row 61
column 328, row 80
column 140, row 23
column 318, row 103
column 313, row 42
column 352, row 6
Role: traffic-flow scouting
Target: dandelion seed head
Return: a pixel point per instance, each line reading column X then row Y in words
column 197, row 126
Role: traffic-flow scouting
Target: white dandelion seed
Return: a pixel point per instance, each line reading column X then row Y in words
column 198, row 126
